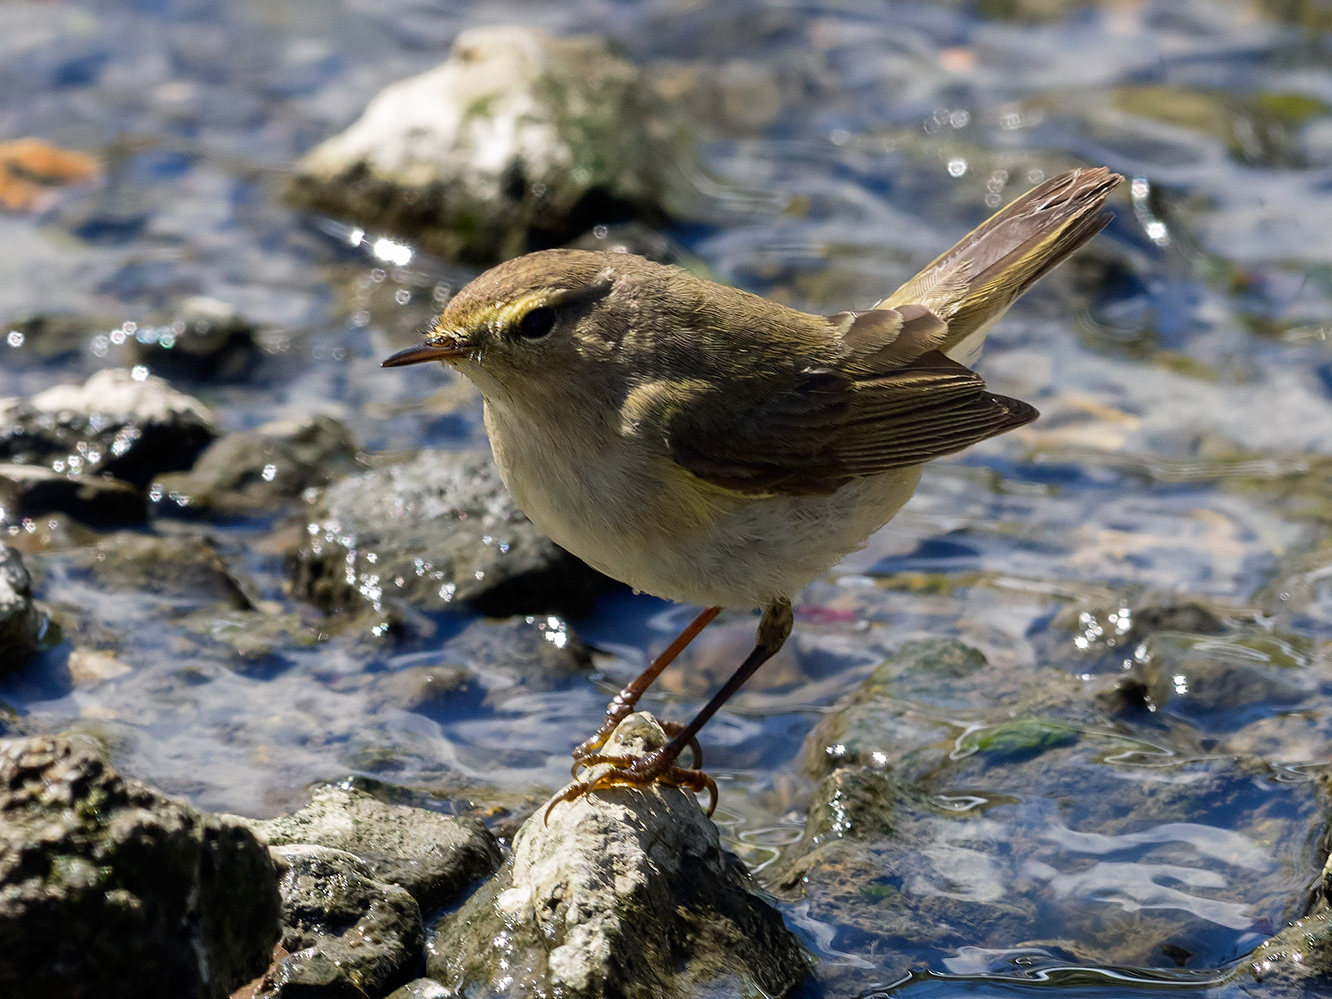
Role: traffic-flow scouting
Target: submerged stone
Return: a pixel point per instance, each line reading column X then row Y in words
column 205, row 339
column 951, row 831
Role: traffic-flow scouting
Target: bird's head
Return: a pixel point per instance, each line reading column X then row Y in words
column 538, row 326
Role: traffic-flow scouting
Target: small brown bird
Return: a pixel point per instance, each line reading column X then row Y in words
column 708, row 446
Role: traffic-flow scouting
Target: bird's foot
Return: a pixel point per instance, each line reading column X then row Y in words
column 585, row 753
column 657, row 767
column 617, row 711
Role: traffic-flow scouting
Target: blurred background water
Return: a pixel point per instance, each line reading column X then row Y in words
column 1182, row 365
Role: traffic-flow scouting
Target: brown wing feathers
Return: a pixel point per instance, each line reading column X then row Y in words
column 835, row 427
column 890, row 398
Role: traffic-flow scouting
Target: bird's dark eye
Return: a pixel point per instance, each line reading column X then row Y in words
column 537, row 323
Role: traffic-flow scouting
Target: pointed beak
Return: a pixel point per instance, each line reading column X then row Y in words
column 444, row 348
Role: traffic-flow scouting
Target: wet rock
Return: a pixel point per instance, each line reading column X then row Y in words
column 252, row 636
column 114, row 424
column 484, row 663
column 347, row 933
column 20, row 621
column 625, row 893
column 422, row 988
column 257, row 471
column 1257, row 131
column 52, row 337
column 434, row 857
column 31, row 492
column 206, row 339
column 119, row 592
column 106, row 884
column 51, row 532
column 738, row 97
column 201, row 338
column 1296, row 962
column 436, row 532
column 11, row 723
column 519, row 140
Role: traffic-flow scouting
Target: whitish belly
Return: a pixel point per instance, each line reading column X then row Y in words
column 642, row 523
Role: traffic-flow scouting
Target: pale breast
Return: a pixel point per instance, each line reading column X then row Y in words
column 642, row 520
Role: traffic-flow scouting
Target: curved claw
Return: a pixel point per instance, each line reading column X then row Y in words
column 640, row 772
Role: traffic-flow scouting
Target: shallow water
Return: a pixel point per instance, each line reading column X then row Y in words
column 1182, row 366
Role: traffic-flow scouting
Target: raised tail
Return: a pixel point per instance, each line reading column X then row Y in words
column 973, row 284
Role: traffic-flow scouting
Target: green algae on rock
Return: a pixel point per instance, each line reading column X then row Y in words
column 519, row 140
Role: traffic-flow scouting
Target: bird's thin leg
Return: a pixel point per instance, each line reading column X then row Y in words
column 623, row 704
column 659, row 766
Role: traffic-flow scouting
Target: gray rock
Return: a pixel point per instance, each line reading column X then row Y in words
column 347, row 933
column 437, row 532
column 257, row 471
column 20, row 621
column 114, row 424
column 106, row 885
column 519, row 140
column 30, row 492
column 627, row 893
column 434, row 857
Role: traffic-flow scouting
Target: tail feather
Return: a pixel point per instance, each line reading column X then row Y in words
column 973, row 284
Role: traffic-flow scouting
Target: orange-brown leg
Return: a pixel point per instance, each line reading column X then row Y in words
column 659, row 766
column 623, row 704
